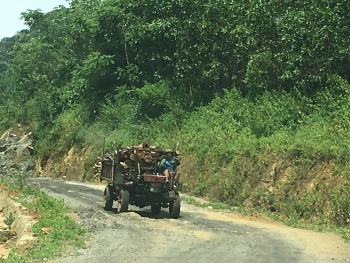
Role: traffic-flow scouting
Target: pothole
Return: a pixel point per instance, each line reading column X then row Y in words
column 15, row 225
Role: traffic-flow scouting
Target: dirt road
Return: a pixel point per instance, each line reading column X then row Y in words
column 200, row 235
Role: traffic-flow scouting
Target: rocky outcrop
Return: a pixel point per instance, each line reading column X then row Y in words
column 15, row 154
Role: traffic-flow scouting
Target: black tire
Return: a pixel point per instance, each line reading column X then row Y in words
column 155, row 209
column 175, row 207
column 108, row 198
column 123, row 202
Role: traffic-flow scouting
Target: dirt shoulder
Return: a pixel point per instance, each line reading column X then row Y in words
column 16, row 222
column 318, row 244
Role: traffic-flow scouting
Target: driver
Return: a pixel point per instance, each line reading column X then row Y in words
column 168, row 164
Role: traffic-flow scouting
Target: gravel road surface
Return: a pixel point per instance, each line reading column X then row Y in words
column 199, row 235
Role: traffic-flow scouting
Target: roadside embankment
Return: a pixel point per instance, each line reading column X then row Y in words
column 16, row 222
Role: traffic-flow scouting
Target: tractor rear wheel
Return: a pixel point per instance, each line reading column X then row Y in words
column 175, row 207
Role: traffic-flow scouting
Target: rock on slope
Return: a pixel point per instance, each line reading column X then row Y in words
column 15, row 154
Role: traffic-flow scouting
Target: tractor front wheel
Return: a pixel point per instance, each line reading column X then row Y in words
column 175, row 207
column 108, row 198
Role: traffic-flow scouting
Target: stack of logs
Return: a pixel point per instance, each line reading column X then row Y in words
column 148, row 156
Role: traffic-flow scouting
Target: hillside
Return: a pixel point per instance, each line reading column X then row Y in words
column 256, row 93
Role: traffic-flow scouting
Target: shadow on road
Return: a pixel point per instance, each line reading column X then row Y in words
column 146, row 213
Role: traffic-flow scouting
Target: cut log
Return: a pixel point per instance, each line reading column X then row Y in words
column 125, row 157
column 129, row 163
column 132, row 157
column 155, row 155
column 148, row 158
column 143, row 163
column 124, row 165
column 157, row 148
column 129, row 150
column 146, row 145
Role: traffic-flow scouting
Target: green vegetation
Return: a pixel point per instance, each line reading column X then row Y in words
column 9, row 220
column 257, row 93
column 52, row 213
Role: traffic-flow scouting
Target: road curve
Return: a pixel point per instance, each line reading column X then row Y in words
column 199, row 235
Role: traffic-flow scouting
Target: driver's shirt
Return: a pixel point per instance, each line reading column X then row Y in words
column 169, row 164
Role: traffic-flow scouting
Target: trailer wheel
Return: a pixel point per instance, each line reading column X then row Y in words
column 123, row 202
column 155, row 209
column 174, row 207
column 108, row 198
